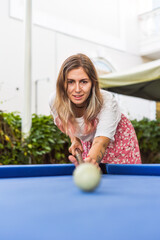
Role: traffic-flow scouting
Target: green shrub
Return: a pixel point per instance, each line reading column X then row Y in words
column 148, row 134
column 11, row 151
column 45, row 144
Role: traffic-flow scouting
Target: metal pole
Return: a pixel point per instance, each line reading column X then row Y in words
column 36, row 96
column 26, row 113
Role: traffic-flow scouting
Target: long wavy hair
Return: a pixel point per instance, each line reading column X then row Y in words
column 66, row 120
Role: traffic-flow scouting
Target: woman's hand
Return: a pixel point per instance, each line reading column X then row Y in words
column 76, row 143
column 73, row 160
column 88, row 159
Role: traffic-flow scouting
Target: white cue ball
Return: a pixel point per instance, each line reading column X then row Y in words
column 87, row 176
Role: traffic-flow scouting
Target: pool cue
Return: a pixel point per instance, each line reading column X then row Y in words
column 79, row 156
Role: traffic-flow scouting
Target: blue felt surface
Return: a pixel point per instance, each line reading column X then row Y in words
column 48, row 208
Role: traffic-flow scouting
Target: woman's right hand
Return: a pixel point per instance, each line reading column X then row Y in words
column 76, row 143
column 73, row 160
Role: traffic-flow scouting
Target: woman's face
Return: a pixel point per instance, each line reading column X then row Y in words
column 78, row 87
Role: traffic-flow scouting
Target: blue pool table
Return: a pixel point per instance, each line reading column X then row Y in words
column 41, row 202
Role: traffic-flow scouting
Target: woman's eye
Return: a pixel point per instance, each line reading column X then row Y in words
column 84, row 82
column 70, row 81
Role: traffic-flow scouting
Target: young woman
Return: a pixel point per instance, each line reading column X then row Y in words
column 91, row 117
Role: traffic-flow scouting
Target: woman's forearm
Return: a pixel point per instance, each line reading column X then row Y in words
column 98, row 148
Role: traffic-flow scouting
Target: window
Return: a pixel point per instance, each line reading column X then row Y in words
column 103, row 66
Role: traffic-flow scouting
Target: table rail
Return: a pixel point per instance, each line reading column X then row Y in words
column 134, row 169
column 14, row 171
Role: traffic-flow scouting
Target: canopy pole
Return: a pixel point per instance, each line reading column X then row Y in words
column 26, row 112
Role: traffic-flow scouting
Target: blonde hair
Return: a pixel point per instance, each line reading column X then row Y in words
column 66, row 120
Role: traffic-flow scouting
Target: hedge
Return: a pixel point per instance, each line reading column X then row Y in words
column 46, row 144
column 148, row 134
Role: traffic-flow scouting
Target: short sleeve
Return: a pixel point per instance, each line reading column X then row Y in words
column 108, row 117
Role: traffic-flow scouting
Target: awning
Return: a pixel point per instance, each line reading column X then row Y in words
column 142, row 81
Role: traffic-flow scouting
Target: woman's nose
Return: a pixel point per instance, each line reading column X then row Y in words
column 77, row 87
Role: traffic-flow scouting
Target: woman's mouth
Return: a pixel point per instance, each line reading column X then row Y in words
column 77, row 97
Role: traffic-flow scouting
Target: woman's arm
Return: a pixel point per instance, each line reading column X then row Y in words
column 97, row 150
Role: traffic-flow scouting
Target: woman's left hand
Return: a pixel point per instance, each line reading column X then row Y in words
column 88, row 159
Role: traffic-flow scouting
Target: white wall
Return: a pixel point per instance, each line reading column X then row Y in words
column 11, row 60
column 44, row 67
column 51, row 47
column 136, row 108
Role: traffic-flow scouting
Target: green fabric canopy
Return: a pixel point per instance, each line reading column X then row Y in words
column 142, row 81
